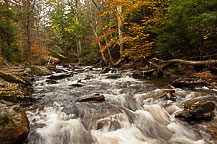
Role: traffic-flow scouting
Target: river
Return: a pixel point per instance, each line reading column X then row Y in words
column 129, row 114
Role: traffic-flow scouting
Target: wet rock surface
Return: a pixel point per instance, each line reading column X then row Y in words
column 76, row 85
column 12, row 78
column 188, row 82
column 105, row 70
column 205, row 78
column 14, row 125
column 16, row 93
column 94, row 98
column 38, row 70
column 60, row 76
column 197, row 109
column 113, row 76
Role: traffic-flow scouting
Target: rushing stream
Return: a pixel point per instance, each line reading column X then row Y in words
column 129, row 114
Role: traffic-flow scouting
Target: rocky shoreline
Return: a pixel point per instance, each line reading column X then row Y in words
column 15, row 94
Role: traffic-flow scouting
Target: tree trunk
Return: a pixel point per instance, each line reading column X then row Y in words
column 29, row 43
column 120, row 29
column 102, row 53
column 109, row 53
column 78, row 40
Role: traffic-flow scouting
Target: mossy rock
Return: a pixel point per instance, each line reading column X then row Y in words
column 14, row 124
column 16, row 97
column 12, row 78
column 38, row 70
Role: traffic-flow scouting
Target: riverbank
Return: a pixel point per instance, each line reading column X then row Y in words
column 16, row 94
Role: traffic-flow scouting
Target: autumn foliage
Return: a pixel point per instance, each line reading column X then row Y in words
column 136, row 17
column 106, row 31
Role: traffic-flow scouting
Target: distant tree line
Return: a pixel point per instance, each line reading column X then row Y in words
column 90, row 31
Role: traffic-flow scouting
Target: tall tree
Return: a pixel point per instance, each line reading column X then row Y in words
column 8, row 19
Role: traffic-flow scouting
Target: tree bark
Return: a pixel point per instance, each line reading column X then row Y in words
column 120, row 29
column 109, row 53
column 187, row 62
column 29, row 43
column 76, row 16
column 102, row 53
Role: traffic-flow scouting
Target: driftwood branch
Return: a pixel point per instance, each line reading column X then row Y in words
column 119, row 62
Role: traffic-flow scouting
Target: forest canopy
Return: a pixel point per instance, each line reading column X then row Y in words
column 90, row 31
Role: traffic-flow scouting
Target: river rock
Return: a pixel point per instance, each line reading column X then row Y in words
column 111, row 124
column 167, row 94
column 197, row 109
column 56, row 70
column 12, row 78
column 14, row 125
column 38, row 70
column 188, row 82
column 94, row 98
column 93, row 114
column 60, row 76
column 76, row 85
column 15, row 93
column 105, row 70
column 211, row 128
column 113, row 76
column 51, row 81
column 17, row 97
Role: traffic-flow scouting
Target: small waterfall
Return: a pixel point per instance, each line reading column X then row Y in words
column 129, row 114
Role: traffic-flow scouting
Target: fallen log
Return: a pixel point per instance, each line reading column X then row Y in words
column 117, row 64
column 158, row 66
column 187, row 62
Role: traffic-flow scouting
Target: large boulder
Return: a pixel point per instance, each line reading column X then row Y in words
column 15, row 92
column 14, row 124
column 197, row 109
column 12, row 78
column 38, row 70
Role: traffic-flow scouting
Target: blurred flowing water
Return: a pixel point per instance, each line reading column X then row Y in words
column 129, row 114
